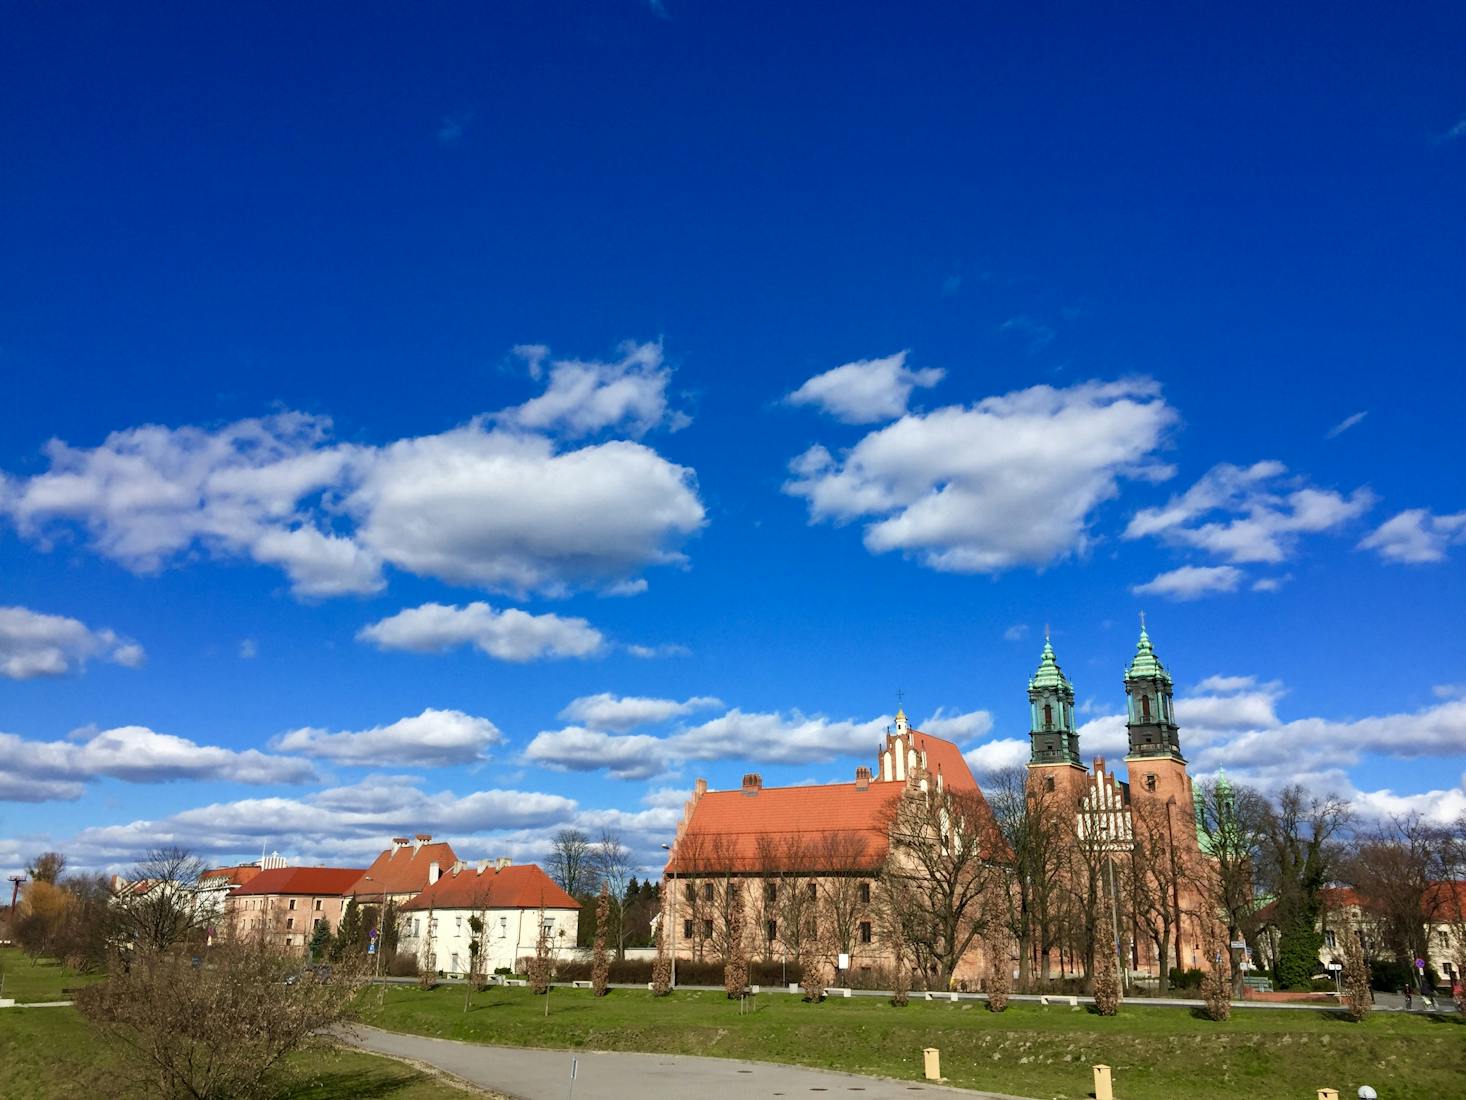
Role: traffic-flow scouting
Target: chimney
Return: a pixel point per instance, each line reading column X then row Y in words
column 501, row 863
column 700, row 788
column 423, row 838
column 753, row 783
column 432, row 872
column 862, row 778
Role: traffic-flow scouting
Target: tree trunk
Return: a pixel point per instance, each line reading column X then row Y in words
column 1164, row 958
column 1025, row 963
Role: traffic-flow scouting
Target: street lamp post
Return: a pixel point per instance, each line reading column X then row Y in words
column 381, row 912
column 673, row 919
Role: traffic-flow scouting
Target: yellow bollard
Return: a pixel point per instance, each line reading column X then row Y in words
column 933, row 1059
column 1103, row 1090
column 1328, row 1094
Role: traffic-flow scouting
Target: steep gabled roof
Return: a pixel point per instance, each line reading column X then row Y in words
column 315, row 881
column 404, row 868
column 516, row 887
column 235, row 876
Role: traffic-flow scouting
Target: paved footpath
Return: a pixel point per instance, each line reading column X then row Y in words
column 527, row 1074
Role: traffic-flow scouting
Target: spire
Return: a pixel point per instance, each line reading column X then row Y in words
column 1052, row 736
column 1049, row 674
column 1145, row 664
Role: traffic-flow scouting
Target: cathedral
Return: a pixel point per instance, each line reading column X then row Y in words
column 804, row 865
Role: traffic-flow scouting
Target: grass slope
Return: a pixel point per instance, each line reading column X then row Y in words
column 1157, row 1053
column 44, row 980
column 52, row 1054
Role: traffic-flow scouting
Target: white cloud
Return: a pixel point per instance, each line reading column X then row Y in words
column 1344, row 425
column 509, row 635
column 248, row 649
column 867, row 390
column 1016, row 633
column 957, row 727
column 575, row 748
column 134, row 754
column 501, row 508
column 431, row 739
column 36, row 644
column 1266, row 513
column 587, row 396
column 1416, row 536
column 623, row 712
column 1105, row 736
column 666, row 649
column 1191, row 582
column 995, row 755
column 956, row 487
column 506, row 511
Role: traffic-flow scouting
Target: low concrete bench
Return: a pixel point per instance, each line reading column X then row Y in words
column 516, row 981
column 836, row 991
column 582, row 985
column 929, row 995
column 1046, row 1001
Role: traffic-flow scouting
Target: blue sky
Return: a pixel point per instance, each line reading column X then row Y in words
column 487, row 419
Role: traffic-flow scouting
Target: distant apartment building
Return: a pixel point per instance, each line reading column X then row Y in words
column 285, row 904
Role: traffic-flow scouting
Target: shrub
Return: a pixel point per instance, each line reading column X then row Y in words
column 1357, row 997
column 599, row 968
column 1106, row 982
column 1000, row 975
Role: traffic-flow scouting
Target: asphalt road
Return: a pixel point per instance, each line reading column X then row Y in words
column 527, row 1074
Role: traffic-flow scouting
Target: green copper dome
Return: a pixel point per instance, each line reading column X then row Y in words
column 1146, row 665
column 1049, row 674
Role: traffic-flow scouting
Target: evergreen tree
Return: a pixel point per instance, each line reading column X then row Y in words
column 320, row 944
column 349, row 933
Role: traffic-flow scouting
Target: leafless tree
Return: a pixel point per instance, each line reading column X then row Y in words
column 844, row 891
column 1231, row 823
column 571, row 862
column 612, row 861
column 788, row 864
column 1160, row 867
column 1300, row 854
column 942, row 874
column 157, row 908
column 541, row 966
column 1394, row 867
column 220, row 1030
column 46, row 867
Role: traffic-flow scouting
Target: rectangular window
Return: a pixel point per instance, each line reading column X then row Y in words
column 865, row 934
column 1329, row 939
column 503, row 927
column 292, row 903
column 549, row 926
column 289, row 922
column 771, row 891
column 687, row 930
column 707, row 891
column 1150, row 781
column 318, row 903
column 416, row 927
column 458, row 924
column 773, row 930
column 707, row 929
column 812, row 891
column 454, row 967
column 865, row 893
column 691, row 891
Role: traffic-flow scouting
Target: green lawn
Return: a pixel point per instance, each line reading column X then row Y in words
column 28, row 981
column 52, row 1054
column 1157, row 1053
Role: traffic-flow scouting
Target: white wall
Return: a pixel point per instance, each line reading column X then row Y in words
column 509, row 935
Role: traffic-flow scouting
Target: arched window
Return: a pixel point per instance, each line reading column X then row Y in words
column 1145, row 706
column 1048, row 716
column 1048, row 782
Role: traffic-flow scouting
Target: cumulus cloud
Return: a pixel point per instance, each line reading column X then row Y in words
column 510, row 512
column 996, row 755
column 867, row 390
column 509, row 635
column 957, row 727
column 587, row 396
column 955, row 487
column 39, row 770
column 1263, row 513
column 575, row 748
column 768, row 737
column 36, row 644
column 433, row 738
column 499, row 506
column 1016, row 633
column 1191, row 582
column 605, row 711
column 1416, row 536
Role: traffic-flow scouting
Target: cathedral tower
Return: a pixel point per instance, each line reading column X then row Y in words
column 1150, row 719
column 1053, row 757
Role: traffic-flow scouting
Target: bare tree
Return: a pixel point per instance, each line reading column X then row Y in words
column 942, row 874
column 612, row 861
column 1300, row 853
column 540, row 966
column 1231, row 823
column 223, row 1029
column 789, row 866
column 157, row 909
column 1393, row 868
column 844, row 892
column 1160, row 867
column 571, row 862
column 1216, row 984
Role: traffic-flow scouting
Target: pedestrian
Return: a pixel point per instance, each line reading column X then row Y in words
column 1409, row 998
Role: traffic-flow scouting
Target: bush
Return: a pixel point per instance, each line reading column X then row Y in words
column 689, row 972
column 403, row 965
column 1185, row 979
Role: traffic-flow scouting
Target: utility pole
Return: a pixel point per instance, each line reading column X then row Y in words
column 15, row 881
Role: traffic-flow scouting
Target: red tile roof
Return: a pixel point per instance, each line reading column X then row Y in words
column 315, row 881
column 403, row 869
column 236, row 875
column 787, row 828
column 515, row 887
